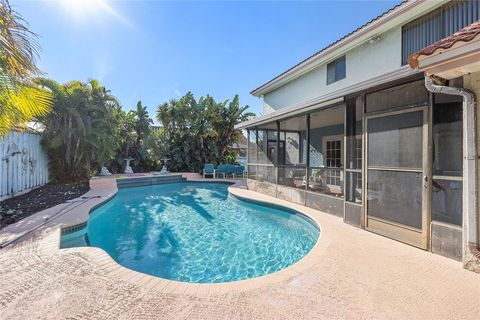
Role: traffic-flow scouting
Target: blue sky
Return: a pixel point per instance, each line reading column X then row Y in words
column 154, row 50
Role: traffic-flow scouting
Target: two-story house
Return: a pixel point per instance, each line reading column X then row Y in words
column 356, row 131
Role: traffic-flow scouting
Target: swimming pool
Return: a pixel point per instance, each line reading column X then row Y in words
column 196, row 232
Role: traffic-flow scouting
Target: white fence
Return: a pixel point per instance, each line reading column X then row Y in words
column 23, row 163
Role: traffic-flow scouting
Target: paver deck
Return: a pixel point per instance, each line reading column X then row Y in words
column 352, row 274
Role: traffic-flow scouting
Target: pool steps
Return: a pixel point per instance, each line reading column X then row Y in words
column 149, row 181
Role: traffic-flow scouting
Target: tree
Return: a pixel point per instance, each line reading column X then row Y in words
column 142, row 123
column 199, row 132
column 20, row 99
column 80, row 131
column 227, row 116
column 136, row 141
column 101, row 124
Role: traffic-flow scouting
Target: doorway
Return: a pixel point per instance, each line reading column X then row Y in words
column 397, row 178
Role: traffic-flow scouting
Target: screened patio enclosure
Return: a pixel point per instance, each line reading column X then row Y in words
column 306, row 160
column 388, row 160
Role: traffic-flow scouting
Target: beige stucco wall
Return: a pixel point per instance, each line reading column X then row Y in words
column 267, row 108
column 364, row 62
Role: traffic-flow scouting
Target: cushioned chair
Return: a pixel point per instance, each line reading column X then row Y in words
column 230, row 169
column 222, row 170
column 239, row 170
column 208, row 170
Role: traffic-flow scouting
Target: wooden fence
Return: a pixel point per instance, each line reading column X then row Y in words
column 23, row 164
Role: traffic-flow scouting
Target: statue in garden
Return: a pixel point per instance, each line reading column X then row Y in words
column 104, row 172
column 128, row 169
column 164, row 170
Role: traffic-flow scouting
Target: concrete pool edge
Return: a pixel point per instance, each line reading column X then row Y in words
column 104, row 189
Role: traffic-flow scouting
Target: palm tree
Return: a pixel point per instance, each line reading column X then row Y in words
column 128, row 131
column 142, row 123
column 20, row 99
column 81, row 128
column 103, row 125
column 63, row 124
column 199, row 132
column 166, row 116
column 226, row 117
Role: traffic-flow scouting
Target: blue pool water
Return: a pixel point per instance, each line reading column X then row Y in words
column 197, row 232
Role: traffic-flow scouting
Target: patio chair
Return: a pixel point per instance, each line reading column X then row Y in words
column 222, row 170
column 208, row 169
column 316, row 180
column 239, row 170
column 230, row 169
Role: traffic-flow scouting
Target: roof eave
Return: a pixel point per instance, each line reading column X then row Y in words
column 349, row 41
column 453, row 62
column 287, row 113
column 328, row 99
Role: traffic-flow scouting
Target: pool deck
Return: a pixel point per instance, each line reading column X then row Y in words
column 350, row 273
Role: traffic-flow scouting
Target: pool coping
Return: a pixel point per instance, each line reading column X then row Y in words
column 104, row 189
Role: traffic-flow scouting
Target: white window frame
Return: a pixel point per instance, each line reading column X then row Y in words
column 325, row 139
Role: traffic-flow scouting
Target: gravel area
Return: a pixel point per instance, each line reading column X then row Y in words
column 47, row 196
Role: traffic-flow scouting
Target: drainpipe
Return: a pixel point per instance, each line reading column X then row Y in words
column 471, row 253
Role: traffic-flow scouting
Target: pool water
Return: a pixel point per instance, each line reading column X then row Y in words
column 197, row 232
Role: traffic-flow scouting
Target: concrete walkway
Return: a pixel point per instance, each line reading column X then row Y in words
column 355, row 275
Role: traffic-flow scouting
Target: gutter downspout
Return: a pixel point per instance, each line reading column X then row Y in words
column 471, row 252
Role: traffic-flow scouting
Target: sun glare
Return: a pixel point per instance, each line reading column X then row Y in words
column 89, row 10
column 79, row 6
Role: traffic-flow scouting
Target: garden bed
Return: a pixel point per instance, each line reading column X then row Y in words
column 47, row 196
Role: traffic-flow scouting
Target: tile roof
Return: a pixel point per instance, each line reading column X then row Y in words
column 465, row 35
column 332, row 44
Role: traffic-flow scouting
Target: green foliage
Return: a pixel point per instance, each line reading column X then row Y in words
column 88, row 129
column 135, row 140
column 230, row 157
column 20, row 99
column 81, row 130
column 198, row 132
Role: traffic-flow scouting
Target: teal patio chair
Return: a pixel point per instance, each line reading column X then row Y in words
column 222, row 170
column 230, row 169
column 239, row 170
column 208, row 170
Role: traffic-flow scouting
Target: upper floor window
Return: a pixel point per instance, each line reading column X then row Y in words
column 437, row 25
column 336, row 70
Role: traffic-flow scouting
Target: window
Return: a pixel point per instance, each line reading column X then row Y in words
column 336, row 70
column 333, row 160
column 334, row 153
column 358, row 152
column 437, row 25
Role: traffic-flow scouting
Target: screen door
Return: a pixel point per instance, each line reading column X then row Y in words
column 397, row 179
